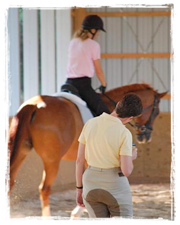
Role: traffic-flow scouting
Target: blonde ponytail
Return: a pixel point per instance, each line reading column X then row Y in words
column 83, row 34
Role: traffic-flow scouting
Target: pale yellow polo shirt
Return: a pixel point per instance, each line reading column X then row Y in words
column 106, row 138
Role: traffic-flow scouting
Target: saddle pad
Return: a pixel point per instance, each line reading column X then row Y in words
column 82, row 106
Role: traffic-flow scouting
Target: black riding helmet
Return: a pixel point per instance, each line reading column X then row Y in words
column 93, row 22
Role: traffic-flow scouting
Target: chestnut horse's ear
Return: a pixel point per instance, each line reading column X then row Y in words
column 161, row 95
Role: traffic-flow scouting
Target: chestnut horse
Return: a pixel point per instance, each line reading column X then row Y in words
column 51, row 125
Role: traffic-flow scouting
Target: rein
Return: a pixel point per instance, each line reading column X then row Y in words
column 110, row 99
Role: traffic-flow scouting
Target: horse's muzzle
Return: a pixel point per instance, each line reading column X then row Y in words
column 144, row 137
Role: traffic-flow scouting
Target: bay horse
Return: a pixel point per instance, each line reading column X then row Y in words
column 52, row 125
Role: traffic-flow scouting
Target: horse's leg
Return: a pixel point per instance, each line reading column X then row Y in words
column 49, row 175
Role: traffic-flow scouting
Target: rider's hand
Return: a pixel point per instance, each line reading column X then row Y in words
column 102, row 89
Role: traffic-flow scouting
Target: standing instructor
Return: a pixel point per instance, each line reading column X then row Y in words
column 106, row 145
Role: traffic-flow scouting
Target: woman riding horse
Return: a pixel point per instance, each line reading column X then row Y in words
column 83, row 59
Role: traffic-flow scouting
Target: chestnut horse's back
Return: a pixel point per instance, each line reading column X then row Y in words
column 55, row 128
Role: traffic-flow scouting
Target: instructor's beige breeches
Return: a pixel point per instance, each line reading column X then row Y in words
column 106, row 193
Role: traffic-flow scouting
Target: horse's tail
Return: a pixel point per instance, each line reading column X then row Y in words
column 18, row 142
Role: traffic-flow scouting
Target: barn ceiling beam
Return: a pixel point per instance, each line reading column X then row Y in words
column 167, row 96
column 124, row 14
column 135, row 55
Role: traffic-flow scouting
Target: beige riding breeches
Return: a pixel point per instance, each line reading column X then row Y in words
column 106, row 193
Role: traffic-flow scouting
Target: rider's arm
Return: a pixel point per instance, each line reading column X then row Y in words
column 99, row 72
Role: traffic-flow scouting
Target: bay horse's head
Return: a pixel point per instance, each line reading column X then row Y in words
column 150, row 100
column 144, row 123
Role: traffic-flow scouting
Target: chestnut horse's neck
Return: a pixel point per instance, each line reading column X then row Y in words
column 118, row 93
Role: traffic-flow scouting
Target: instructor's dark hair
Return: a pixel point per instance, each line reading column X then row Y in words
column 130, row 105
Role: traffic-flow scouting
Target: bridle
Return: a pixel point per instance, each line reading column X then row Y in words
column 147, row 126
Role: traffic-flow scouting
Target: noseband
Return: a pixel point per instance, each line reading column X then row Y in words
column 147, row 126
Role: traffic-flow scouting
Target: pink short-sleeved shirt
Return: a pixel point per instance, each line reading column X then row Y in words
column 81, row 55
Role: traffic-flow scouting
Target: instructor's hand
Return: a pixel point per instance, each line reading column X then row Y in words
column 134, row 152
column 79, row 199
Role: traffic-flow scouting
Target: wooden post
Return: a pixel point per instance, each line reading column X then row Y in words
column 79, row 15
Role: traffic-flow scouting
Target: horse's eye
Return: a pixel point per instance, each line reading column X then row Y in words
column 142, row 129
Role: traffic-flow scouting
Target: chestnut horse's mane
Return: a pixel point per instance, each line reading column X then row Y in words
column 132, row 88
